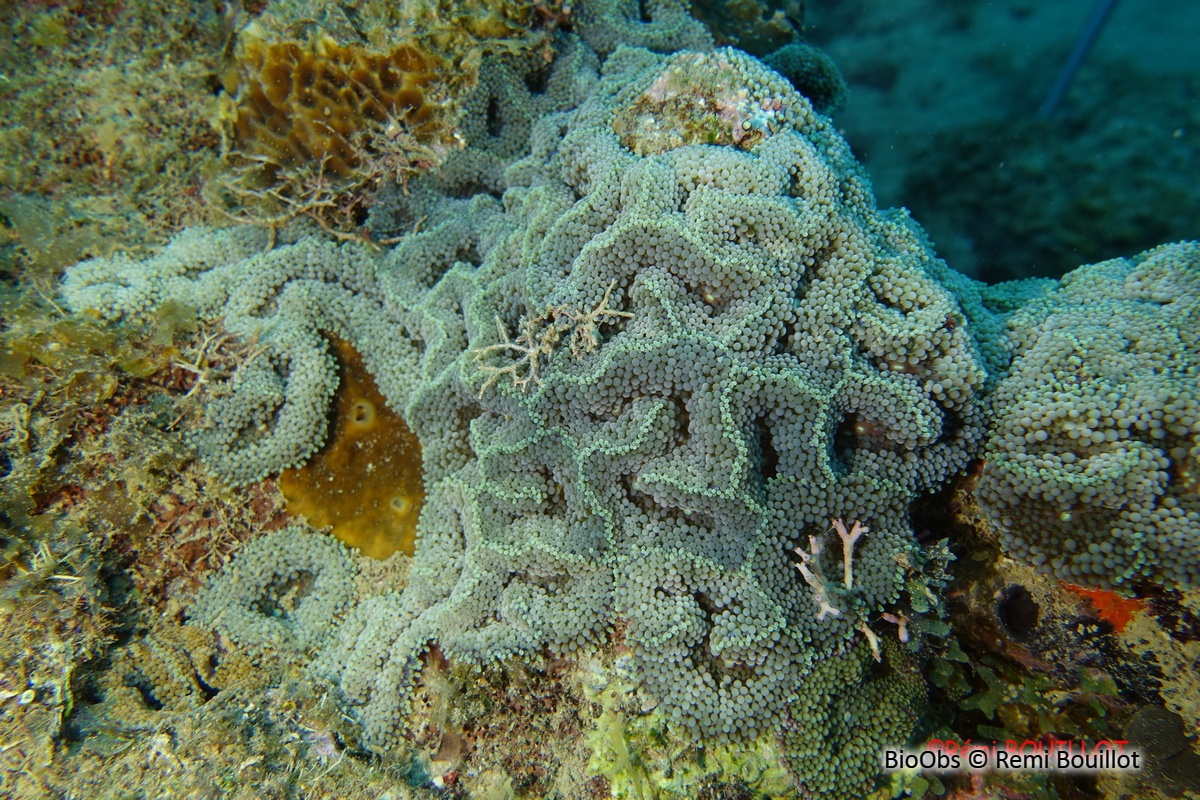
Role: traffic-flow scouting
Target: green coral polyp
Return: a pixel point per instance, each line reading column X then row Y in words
column 1090, row 471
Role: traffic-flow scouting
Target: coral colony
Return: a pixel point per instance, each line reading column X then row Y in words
column 677, row 388
column 720, row 348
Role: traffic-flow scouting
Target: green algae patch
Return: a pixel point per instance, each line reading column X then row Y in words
column 632, row 746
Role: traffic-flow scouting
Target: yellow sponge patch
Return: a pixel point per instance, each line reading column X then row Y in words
column 365, row 483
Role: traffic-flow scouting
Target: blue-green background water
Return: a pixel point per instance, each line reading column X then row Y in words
column 943, row 106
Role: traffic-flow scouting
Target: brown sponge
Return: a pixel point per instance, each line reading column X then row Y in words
column 297, row 105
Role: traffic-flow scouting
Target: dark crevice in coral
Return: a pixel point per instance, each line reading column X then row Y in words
column 296, row 588
column 462, row 422
column 845, row 441
column 768, row 456
column 886, row 303
column 536, row 81
column 551, row 584
column 470, row 254
column 495, row 121
column 860, row 432
column 557, row 496
column 417, row 341
column 147, row 693
column 637, row 498
column 705, row 662
column 838, row 453
column 707, row 606
column 952, row 424
column 207, row 691
column 468, row 189
column 683, row 419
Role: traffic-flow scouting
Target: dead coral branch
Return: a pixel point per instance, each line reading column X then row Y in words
column 539, row 337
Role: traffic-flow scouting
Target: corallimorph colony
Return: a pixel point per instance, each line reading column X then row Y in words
column 672, row 367
column 1094, row 463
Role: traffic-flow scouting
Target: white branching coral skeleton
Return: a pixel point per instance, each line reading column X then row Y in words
column 810, row 570
column 900, row 621
column 872, row 640
column 849, row 537
column 539, row 337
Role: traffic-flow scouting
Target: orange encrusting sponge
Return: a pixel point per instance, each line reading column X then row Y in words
column 1110, row 606
column 299, row 105
column 365, row 483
